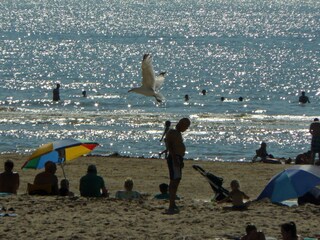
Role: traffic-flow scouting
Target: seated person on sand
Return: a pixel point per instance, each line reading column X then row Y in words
column 253, row 234
column 267, row 158
column 9, row 180
column 304, row 158
column 128, row 193
column 64, row 189
column 289, row 231
column 47, row 178
column 262, row 152
column 164, row 193
column 312, row 196
column 236, row 196
column 92, row 185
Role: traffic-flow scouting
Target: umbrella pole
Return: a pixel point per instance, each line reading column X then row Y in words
column 64, row 174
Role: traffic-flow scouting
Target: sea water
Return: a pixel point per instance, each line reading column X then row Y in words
column 264, row 51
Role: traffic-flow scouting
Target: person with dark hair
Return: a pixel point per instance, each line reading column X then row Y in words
column 312, row 196
column 92, row 185
column 176, row 150
column 303, row 98
column 289, row 231
column 9, row 180
column 64, row 188
column 164, row 194
column 314, row 130
column 253, row 234
column 204, row 92
column 56, row 93
column 48, row 177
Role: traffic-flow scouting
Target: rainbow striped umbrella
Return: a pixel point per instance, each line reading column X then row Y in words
column 59, row 152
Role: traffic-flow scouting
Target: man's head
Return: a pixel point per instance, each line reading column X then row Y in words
column 92, row 169
column 8, row 166
column 183, row 124
column 50, row 167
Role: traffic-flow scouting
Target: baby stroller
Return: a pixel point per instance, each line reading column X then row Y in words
column 215, row 183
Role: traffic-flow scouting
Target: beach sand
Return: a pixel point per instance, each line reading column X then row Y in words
column 41, row 217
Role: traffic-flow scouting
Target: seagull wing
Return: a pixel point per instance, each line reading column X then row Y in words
column 148, row 76
column 159, row 81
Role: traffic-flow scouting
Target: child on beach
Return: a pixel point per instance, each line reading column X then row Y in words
column 236, row 196
column 128, row 193
column 64, row 188
column 164, row 192
column 253, row 234
column 289, row 231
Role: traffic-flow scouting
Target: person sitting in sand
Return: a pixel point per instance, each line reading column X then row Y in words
column 48, row 177
column 312, row 196
column 304, row 158
column 64, row 189
column 289, row 231
column 9, row 180
column 236, row 196
column 253, row 234
column 128, row 193
column 92, row 185
column 262, row 152
column 164, row 192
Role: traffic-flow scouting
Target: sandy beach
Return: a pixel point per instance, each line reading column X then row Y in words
column 54, row 217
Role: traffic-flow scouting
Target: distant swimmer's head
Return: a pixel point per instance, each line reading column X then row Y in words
column 303, row 93
column 240, row 99
column 316, row 120
column 204, row 92
column 167, row 124
column 222, row 99
column 58, row 85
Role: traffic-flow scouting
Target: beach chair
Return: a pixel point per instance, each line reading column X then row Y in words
column 215, row 183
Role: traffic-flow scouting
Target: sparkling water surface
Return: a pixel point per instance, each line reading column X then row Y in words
column 265, row 51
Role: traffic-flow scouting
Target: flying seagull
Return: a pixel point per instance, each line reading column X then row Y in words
column 150, row 83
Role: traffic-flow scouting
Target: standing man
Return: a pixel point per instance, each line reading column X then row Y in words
column 176, row 150
column 315, row 142
column 56, row 93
